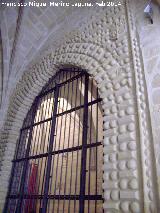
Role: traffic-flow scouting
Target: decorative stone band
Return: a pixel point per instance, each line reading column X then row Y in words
column 102, row 48
column 149, row 176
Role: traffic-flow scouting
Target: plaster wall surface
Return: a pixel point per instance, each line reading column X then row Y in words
column 105, row 43
column 149, row 38
column 28, row 32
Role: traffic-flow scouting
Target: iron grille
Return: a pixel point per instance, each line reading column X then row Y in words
column 58, row 161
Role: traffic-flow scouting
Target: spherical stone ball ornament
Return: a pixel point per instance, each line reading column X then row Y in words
column 123, row 147
column 109, row 85
column 117, row 86
column 113, row 157
column 124, row 206
column 110, row 97
column 113, row 140
column 152, row 208
column 114, row 109
column 113, row 76
column 113, row 124
column 106, row 141
column 122, row 129
column 130, row 111
column 135, row 207
column 123, row 82
column 149, row 183
column 133, row 184
column 122, row 165
column 106, row 125
column 115, row 195
column 131, row 164
column 121, row 113
column 119, row 99
column 114, row 175
column 107, row 195
column 127, row 96
column 132, row 146
column 107, row 111
column 105, row 158
column 123, row 184
column 106, row 176
column 151, row 195
column 131, row 127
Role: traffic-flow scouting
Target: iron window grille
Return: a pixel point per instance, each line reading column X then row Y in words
column 58, row 160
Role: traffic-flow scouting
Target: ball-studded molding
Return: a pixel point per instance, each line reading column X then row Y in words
column 103, row 48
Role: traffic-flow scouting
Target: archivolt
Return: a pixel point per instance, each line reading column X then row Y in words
column 113, row 72
column 25, row 92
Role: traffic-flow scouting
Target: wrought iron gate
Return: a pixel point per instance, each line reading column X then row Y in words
column 58, row 161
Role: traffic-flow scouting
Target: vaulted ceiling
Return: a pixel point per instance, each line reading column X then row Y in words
column 26, row 32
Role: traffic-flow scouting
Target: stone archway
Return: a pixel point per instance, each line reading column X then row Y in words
column 102, row 48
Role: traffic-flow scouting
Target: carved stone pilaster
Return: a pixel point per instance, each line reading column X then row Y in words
column 107, row 48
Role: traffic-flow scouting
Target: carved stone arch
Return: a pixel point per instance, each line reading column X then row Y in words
column 111, row 56
column 30, row 86
column 26, row 91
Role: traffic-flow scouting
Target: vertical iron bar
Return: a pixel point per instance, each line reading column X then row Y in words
column 51, row 139
column 32, row 149
column 80, row 94
column 39, row 182
column 84, row 150
column 44, row 160
column 41, row 127
column 68, row 145
column 55, row 142
column 34, row 131
column 46, row 188
column 91, row 122
column 12, row 174
column 43, row 130
column 96, row 150
column 59, row 141
column 61, row 171
column 25, row 167
column 73, row 139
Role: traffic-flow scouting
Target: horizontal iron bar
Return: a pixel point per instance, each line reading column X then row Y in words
column 58, row 197
column 72, row 79
column 72, row 149
column 61, row 84
column 63, row 113
column 36, row 124
column 58, row 73
column 72, row 70
column 79, row 107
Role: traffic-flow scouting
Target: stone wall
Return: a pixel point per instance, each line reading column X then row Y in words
column 150, row 47
column 108, row 48
column 28, row 33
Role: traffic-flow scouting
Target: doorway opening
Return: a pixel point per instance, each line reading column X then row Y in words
column 58, row 160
